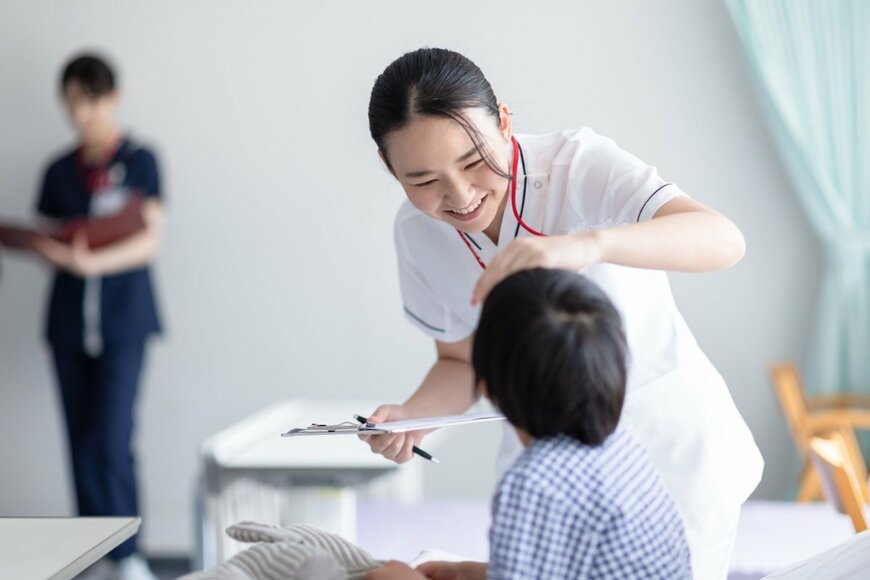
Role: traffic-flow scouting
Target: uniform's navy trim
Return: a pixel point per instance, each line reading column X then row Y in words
column 525, row 181
column 649, row 198
column 421, row 321
column 470, row 239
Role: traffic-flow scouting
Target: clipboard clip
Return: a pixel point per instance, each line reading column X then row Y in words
column 343, row 427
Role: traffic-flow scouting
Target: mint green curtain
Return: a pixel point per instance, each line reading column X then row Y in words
column 811, row 59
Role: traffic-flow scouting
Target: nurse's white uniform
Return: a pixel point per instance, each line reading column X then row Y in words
column 677, row 404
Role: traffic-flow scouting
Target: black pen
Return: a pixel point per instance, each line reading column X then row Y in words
column 416, row 449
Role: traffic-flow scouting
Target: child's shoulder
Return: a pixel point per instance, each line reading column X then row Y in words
column 563, row 466
column 585, row 457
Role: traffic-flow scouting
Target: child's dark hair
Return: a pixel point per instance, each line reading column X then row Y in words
column 90, row 71
column 551, row 351
column 436, row 82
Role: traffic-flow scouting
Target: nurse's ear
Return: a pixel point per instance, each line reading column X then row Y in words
column 505, row 124
column 386, row 163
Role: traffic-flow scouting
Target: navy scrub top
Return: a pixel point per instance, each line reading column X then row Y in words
column 128, row 309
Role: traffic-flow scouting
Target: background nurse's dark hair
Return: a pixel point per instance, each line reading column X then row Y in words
column 552, row 353
column 91, row 71
column 435, row 82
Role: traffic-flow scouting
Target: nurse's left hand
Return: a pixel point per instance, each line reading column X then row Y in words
column 569, row 252
column 394, row 570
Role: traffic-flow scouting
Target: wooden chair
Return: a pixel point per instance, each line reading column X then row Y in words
column 811, row 416
column 838, row 477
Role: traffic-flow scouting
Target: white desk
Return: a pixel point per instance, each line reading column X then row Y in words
column 58, row 548
column 251, row 472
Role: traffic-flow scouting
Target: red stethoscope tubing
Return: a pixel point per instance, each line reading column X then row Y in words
column 517, row 215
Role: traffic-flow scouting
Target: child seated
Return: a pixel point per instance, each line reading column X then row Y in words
column 583, row 500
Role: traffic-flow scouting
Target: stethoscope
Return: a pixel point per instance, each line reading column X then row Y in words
column 513, row 196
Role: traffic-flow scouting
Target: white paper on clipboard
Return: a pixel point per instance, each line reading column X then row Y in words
column 353, row 428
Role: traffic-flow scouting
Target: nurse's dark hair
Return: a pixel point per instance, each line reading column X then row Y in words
column 91, row 71
column 551, row 353
column 436, row 82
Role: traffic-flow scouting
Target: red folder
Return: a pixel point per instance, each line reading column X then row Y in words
column 99, row 231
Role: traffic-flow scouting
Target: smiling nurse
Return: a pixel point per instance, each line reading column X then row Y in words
column 484, row 202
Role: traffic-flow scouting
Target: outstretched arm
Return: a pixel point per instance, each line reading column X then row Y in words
column 684, row 235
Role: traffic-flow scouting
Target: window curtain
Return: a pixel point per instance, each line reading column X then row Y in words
column 811, row 61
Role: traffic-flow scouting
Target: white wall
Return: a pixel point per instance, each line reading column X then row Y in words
column 277, row 276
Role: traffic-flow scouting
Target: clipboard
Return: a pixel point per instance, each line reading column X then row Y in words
column 354, row 428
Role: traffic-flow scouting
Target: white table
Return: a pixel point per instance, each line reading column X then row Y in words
column 251, row 472
column 58, row 548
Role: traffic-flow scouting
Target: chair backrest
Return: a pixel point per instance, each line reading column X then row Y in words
column 839, row 480
column 855, row 458
column 790, row 392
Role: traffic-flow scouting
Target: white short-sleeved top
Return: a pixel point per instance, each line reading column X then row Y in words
column 677, row 406
column 567, row 182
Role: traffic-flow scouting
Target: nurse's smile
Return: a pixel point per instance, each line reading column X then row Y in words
column 471, row 212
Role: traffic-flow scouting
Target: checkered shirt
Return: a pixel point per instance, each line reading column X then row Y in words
column 568, row 510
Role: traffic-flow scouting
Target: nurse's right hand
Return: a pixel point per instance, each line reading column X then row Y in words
column 396, row 447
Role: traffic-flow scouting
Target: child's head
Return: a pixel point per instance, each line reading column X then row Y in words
column 88, row 88
column 443, row 135
column 551, row 353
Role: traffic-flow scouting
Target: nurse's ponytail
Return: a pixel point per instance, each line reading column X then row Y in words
column 434, row 82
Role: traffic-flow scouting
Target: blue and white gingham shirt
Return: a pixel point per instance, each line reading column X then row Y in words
column 568, row 510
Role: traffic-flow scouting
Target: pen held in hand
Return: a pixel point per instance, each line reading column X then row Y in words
column 416, row 450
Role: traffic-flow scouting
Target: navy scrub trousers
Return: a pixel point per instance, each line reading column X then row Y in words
column 98, row 395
